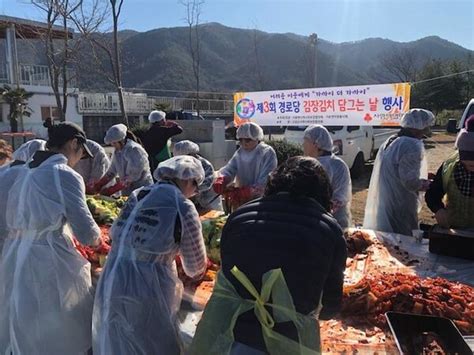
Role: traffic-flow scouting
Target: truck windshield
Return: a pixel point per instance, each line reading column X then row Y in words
column 470, row 112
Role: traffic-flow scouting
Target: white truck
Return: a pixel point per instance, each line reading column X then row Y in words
column 355, row 144
column 468, row 111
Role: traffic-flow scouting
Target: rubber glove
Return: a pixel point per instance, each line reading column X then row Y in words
column 101, row 183
column 113, row 189
column 219, row 185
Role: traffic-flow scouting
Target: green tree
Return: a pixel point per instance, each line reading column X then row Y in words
column 284, row 150
column 439, row 88
column 469, row 78
column 458, row 86
column 163, row 106
column 17, row 99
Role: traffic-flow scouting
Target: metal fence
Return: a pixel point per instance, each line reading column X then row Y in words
column 38, row 75
column 213, row 106
column 96, row 103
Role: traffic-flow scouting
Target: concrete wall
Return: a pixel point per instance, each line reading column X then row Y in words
column 211, row 139
column 95, row 126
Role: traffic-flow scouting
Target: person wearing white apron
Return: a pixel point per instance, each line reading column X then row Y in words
column 250, row 165
column 93, row 169
column 318, row 144
column 206, row 199
column 7, row 178
column 400, row 175
column 26, row 151
column 45, row 284
column 129, row 163
column 139, row 293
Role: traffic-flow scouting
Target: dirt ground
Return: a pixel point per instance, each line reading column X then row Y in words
column 438, row 148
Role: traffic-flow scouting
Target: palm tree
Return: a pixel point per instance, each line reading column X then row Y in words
column 17, row 99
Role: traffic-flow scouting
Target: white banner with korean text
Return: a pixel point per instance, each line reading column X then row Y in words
column 369, row 105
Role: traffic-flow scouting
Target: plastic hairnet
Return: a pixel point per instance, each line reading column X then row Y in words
column 250, row 130
column 156, row 116
column 116, row 133
column 418, row 118
column 319, row 135
column 185, row 147
column 28, row 149
column 183, row 167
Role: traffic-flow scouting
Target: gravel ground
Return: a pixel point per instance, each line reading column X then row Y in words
column 438, row 148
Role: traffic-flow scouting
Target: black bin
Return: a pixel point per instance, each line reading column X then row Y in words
column 451, row 245
column 405, row 327
column 451, row 127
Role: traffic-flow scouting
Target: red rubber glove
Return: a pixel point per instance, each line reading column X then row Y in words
column 170, row 124
column 244, row 193
column 113, row 189
column 239, row 196
column 219, row 185
column 101, row 183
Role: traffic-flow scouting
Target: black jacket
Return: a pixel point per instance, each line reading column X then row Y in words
column 296, row 235
column 156, row 138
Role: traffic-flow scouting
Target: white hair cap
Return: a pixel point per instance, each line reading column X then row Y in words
column 185, row 147
column 250, row 130
column 183, row 167
column 156, row 116
column 418, row 118
column 320, row 136
column 116, row 133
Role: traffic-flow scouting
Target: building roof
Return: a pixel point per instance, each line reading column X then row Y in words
column 29, row 29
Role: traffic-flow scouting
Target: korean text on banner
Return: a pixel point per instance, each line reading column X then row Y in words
column 370, row 105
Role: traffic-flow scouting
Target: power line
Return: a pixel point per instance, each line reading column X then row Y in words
column 179, row 91
column 231, row 93
column 443, row 76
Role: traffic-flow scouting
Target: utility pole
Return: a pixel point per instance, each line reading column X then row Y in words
column 312, row 59
column 315, row 39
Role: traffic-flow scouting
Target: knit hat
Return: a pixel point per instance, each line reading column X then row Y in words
column 465, row 140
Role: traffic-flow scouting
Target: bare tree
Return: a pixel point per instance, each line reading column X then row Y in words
column 401, row 64
column 116, row 6
column 59, row 46
column 106, row 54
column 193, row 10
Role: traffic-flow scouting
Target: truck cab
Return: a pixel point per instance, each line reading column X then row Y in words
column 468, row 111
column 353, row 144
column 183, row 115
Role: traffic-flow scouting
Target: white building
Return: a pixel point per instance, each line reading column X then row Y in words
column 95, row 112
column 33, row 77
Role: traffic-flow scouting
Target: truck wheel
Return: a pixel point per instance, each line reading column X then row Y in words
column 358, row 166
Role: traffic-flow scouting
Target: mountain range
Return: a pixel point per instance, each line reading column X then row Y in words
column 235, row 59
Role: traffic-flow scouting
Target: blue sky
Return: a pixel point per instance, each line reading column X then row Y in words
column 336, row 20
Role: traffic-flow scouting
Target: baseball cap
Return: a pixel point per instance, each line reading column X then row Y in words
column 63, row 132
